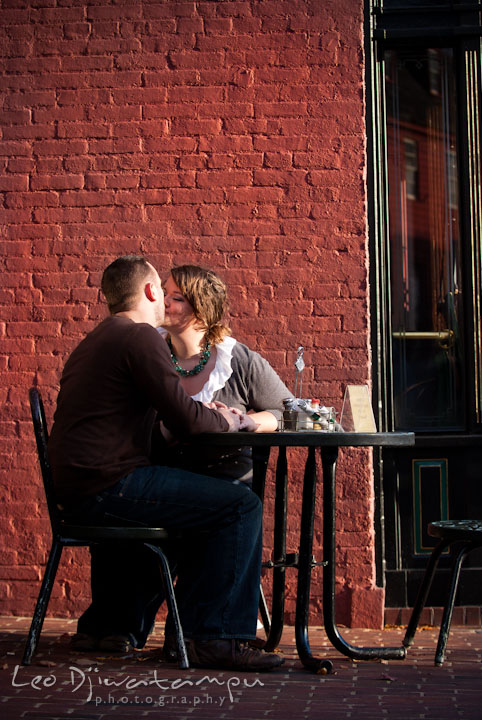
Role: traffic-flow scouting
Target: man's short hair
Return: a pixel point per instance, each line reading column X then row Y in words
column 121, row 281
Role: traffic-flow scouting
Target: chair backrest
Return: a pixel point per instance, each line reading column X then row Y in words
column 41, row 437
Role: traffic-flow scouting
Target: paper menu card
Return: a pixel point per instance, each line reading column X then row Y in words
column 357, row 413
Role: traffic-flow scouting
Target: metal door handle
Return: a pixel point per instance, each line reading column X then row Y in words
column 446, row 337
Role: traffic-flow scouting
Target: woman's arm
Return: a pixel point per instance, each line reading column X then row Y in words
column 265, row 420
column 254, row 387
column 266, row 392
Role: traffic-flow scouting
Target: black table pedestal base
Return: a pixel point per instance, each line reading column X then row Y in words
column 328, row 459
column 328, row 444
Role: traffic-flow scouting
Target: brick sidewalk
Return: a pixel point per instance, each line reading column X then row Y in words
column 64, row 684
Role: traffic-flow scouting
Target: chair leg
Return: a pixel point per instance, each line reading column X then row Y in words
column 449, row 605
column 172, row 606
column 263, row 609
column 423, row 593
column 42, row 601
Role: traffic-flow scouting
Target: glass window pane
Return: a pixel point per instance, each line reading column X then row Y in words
column 425, row 259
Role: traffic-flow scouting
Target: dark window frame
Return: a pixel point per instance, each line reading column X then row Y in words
column 459, row 25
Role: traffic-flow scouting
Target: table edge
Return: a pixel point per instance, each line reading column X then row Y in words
column 307, row 439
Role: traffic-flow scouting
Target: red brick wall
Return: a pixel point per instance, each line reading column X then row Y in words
column 225, row 133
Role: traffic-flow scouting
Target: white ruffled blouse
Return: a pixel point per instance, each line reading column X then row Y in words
column 221, row 372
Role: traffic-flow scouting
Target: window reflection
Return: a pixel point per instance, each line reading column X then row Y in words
column 426, row 290
column 410, row 148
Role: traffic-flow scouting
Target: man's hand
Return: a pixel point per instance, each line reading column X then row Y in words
column 247, row 423
column 234, row 420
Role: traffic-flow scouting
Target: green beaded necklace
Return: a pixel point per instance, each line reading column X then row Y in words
column 204, row 357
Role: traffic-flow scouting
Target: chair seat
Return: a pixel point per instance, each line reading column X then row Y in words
column 453, row 530
column 86, row 533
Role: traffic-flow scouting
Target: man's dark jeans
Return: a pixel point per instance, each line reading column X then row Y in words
column 218, row 559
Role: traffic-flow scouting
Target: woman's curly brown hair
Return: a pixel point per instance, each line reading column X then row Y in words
column 207, row 294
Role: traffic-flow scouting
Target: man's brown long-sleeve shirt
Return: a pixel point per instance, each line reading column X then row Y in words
column 114, row 384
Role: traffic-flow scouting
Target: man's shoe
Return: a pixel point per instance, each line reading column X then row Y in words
column 83, row 642
column 169, row 649
column 116, row 644
column 231, row 654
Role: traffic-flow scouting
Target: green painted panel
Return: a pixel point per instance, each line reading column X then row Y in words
column 430, row 500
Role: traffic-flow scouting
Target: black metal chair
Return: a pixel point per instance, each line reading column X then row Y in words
column 467, row 534
column 66, row 535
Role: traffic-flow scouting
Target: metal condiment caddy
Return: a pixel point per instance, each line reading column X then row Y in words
column 306, row 414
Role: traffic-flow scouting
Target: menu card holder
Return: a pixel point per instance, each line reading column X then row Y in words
column 357, row 413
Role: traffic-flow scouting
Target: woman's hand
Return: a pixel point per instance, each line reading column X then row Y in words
column 216, row 405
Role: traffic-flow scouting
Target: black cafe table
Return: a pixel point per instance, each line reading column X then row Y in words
column 328, row 444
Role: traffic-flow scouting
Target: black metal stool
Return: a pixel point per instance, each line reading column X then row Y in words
column 467, row 534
